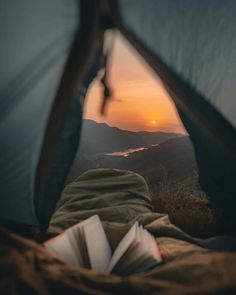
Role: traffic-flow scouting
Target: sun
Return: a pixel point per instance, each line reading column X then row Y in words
column 154, row 122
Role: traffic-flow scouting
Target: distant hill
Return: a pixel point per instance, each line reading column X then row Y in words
column 169, row 162
column 101, row 138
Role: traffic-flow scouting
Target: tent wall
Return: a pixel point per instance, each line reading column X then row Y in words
column 65, row 149
column 35, row 38
column 63, row 127
column 191, row 45
column 195, row 38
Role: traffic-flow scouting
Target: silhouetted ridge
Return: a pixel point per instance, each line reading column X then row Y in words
column 102, row 138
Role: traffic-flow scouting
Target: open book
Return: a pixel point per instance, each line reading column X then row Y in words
column 86, row 245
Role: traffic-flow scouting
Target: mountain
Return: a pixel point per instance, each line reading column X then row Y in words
column 171, row 161
column 102, row 138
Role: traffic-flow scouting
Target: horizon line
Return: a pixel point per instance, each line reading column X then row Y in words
column 162, row 131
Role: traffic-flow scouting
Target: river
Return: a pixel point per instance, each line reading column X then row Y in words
column 126, row 153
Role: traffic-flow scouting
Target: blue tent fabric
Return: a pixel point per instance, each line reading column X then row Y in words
column 194, row 41
column 65, row 151
column 194, row 38
column 35, row 41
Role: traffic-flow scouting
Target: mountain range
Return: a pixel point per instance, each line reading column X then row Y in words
column 168, row 157
column 102, row 138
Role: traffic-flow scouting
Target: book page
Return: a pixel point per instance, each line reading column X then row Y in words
column 98, row 247
column 123, row 246
column 74, row 236
column 137, row 251
column 149, row 255
column 128, row 258
column 135, row 256
column 71, row 244
column 86, row 245
column 61, row 245
column 154, row 249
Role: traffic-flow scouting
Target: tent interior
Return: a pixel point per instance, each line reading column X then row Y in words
column 50, row 53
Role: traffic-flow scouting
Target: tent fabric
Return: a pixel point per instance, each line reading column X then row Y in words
column 195, row 42
column 195, row 38
column 216, row 168
column 35, row 41
column 65, row 151
column 63, row 126
column 189, row 266
column 66, row 147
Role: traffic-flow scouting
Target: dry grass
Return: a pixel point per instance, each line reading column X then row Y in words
column 190, row 209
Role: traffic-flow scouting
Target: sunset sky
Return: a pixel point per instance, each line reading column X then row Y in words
column 139, row 101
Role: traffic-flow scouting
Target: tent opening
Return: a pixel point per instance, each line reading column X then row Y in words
column 142, row 132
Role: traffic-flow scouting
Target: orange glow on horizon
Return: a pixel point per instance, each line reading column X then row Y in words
column 139, row 100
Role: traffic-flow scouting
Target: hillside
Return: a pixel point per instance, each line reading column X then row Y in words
column 170, row 161
column 101, row 138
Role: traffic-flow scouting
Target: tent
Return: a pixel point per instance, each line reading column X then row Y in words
column 50, row 52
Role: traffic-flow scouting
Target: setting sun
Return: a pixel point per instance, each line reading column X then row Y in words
column 139, row 97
